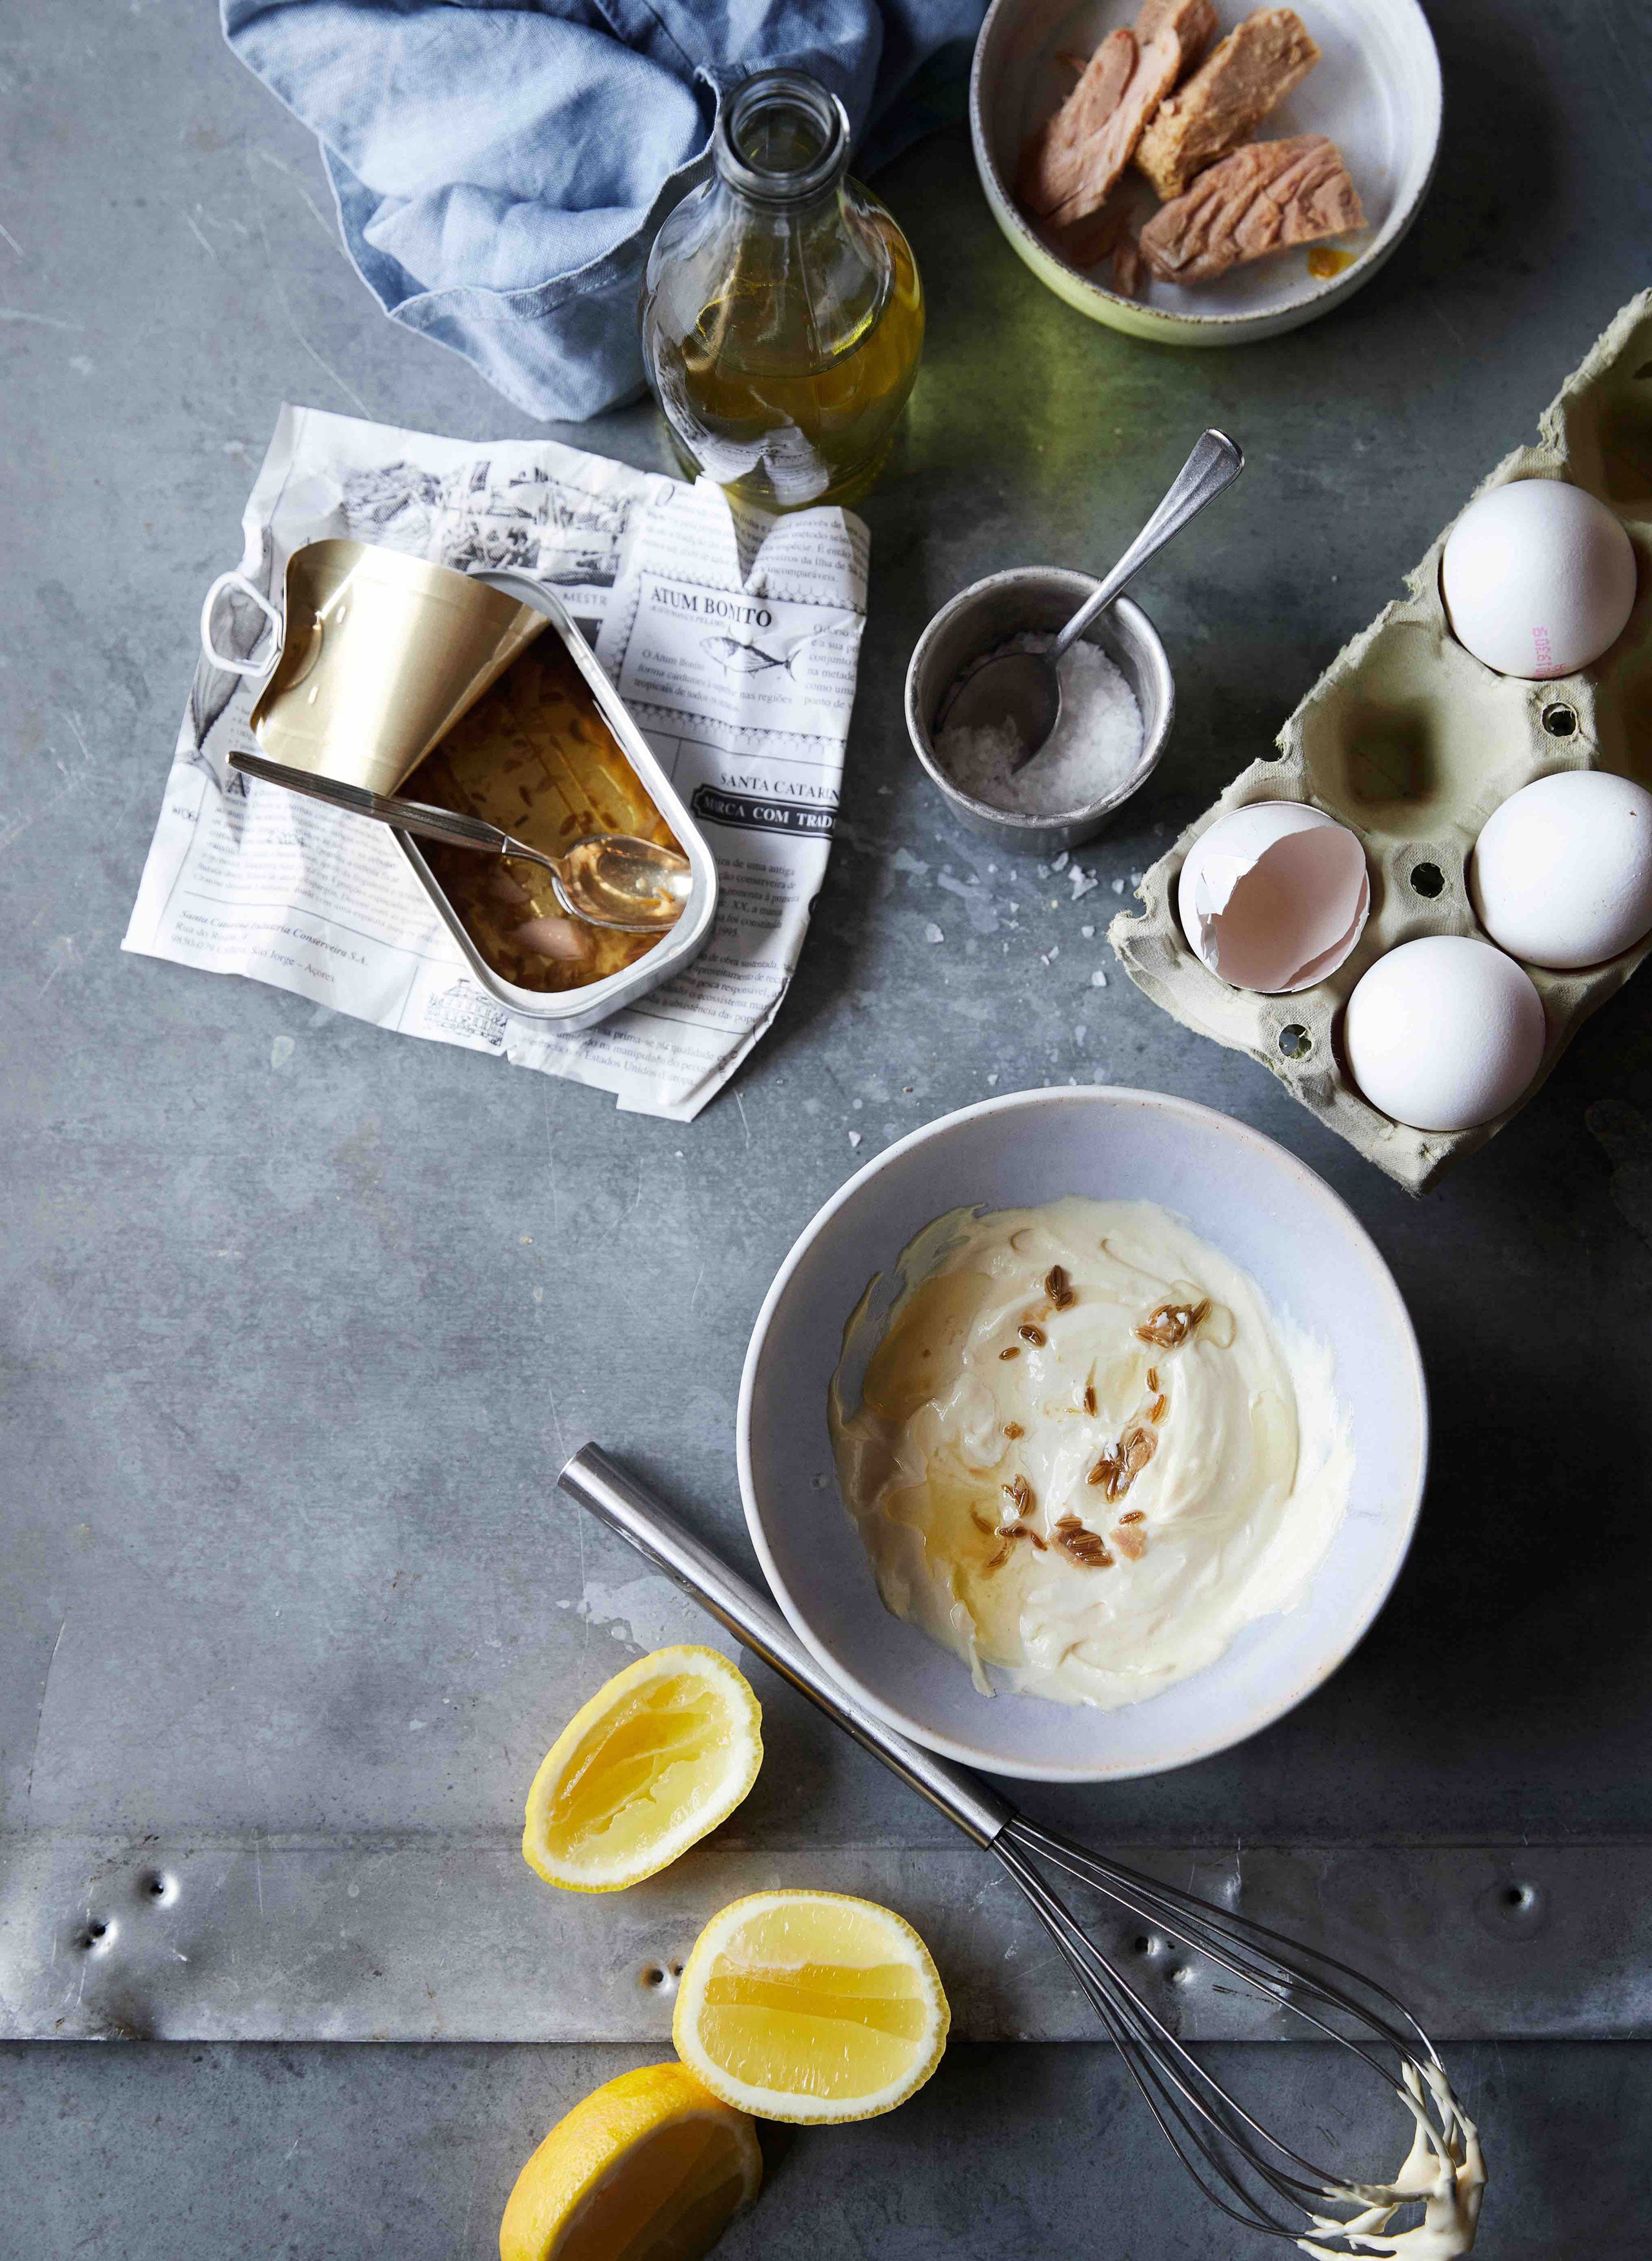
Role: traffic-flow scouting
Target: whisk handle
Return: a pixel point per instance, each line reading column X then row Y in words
column 630, row 1508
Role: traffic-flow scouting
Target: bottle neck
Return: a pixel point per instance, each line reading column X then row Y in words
column 780, row 142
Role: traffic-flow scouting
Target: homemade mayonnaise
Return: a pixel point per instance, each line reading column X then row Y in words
column 1083, row 1450
column 1444, row 2173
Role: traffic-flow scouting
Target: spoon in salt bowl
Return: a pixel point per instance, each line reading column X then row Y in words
column 610, row 879
column 1021, row 688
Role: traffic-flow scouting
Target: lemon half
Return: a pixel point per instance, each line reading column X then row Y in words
column 659, row 1756
column 650, row 2167
column 811, row 2006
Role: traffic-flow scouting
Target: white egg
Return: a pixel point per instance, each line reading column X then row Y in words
column 1561, row 873
column 1273, row 897
column 1538, row 578
column 1443, row 1033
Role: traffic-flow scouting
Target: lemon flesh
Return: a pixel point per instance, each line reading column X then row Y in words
column 650, row 2167
column 811, row 2006
column 659, row 1756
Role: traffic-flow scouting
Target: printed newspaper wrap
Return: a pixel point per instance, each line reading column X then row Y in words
column 732, row 641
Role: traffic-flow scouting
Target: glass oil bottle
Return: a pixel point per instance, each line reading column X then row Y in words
column 783, row 319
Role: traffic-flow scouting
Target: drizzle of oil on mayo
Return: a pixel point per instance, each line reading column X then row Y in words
column 1081, row 1449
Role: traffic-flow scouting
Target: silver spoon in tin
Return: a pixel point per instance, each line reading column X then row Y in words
column 1022, row 688
column 612, row 879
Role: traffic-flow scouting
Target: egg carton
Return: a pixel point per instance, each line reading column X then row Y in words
column 1411, row 743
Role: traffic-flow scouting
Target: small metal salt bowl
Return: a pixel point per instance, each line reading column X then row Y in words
column 981, row 617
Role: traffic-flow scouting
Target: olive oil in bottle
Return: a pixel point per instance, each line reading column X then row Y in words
column 782, row 320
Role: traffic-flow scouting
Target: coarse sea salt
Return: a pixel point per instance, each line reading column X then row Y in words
column 1090, row 754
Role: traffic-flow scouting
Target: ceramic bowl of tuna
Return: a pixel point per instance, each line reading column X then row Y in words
column 1166, row 204
column 1246, row 1198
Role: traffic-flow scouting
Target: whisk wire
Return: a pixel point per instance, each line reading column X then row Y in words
column 1154, row 2053
column 1207, row 2127
column 1114, row 2003
column 1200, row 1916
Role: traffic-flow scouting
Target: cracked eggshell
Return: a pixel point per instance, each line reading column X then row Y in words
column 1562, row 874
column 1538, row 578
column 1444, row 1033
column 1273, row 896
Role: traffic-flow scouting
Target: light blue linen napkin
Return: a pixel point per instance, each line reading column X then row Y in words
column 500, row 169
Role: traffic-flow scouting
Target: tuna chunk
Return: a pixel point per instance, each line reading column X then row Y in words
column 1266, row 197
column 1053, row 165
column 1230, row 94
column 1073, row 164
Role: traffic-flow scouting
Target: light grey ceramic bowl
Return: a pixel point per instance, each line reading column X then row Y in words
column 1375, row 92
column 1249, row 1198
column 984, row 615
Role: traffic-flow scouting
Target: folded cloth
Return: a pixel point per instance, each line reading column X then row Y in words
column 500, row 169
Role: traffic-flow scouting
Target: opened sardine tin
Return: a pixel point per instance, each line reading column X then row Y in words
column 377, row 655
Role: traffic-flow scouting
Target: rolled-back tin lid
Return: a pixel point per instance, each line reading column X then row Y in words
column 382, row 655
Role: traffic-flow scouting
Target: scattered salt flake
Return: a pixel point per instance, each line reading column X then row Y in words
column 992, row 1078
column 857, row 1103
column 933, row 933
column 883, row 792
column 1043, row 957
column 1059, row 865
column 906, row 861
column 1055, row 950
column 1136, row 877
column 1117, row 886
column 855, row 1138
column 1088, row 933
column 1081, row 883
column 1043, row 871
column 1080, row 1033
column 1099, row 979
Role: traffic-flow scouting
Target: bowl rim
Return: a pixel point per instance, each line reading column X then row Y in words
column 1021, row 827
column 1412, row 1486
column 1157, row 324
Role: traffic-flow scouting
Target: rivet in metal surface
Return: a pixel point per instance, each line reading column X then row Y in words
column 97, row 1934
column 1514, row 1909
column 156, row 1887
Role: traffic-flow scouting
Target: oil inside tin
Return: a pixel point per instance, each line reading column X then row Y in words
column 535, row 756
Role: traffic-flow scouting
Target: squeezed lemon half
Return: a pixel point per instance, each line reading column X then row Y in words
column 650, row 2167
column 810, row 2006
column 659, row 1756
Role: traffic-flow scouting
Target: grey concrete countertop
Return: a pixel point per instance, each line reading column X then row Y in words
column 293, row 1323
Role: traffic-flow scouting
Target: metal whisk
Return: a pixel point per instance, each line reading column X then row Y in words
column 1239, row 2164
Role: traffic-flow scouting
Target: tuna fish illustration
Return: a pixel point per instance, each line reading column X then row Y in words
column 739, row 658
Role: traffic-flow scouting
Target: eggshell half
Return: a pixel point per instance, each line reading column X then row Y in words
column 1444, row 1033
column 1561, row 872
column 1273, row 897
column 1538, row 578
